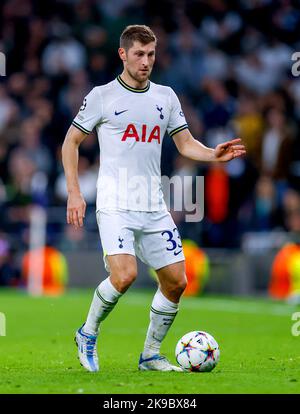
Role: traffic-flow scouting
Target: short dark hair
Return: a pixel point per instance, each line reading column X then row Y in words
column 136, row 32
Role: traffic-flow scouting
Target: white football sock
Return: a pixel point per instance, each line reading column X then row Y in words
column 162, row 315
column 105, row 298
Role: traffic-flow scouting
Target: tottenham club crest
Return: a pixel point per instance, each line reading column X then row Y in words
column 121, row 243
column 160, row 110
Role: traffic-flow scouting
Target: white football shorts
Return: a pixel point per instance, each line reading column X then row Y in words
column 152, row 236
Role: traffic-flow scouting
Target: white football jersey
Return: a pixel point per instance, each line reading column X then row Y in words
column 130, row 124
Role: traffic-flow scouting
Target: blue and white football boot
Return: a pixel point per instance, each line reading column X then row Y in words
column 87, row 350
column 157, row 363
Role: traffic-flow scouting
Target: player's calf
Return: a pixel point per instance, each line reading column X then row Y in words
column 105, row 298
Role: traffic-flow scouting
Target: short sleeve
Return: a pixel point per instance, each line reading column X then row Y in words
column 177, row 120
column 90, row 113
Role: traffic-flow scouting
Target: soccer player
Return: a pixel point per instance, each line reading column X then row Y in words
column 131, row 115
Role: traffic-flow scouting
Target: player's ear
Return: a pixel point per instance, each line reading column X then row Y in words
column 122, row 53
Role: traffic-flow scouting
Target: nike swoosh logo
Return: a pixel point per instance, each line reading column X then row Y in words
column 177, row 253
column 119, row 113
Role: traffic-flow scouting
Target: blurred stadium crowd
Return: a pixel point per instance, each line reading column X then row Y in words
column 228, row 61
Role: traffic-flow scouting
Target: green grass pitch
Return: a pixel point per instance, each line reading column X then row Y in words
column 258, row 352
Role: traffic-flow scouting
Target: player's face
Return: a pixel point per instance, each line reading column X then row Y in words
column 139, row 60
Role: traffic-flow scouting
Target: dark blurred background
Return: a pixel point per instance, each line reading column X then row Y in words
column 230, row 64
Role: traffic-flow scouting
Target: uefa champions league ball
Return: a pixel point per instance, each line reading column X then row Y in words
column 197, row 351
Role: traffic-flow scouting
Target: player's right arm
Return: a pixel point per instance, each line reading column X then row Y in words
column 70, row 153
column 89, row 115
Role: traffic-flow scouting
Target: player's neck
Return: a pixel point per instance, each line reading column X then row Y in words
column 132, row 82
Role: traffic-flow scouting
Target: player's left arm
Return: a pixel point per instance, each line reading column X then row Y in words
column 189, row 147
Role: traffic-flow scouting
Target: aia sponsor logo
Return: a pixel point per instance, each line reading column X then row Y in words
column 145, row 136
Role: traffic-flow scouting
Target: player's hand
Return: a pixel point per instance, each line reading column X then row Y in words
column 229, row 150
column 76, row 209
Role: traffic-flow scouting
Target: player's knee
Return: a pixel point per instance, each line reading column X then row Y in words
column 178, row 287
column 128, row 278
column 182, row 284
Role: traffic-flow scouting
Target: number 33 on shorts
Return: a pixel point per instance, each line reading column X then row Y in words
column 173, row 241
